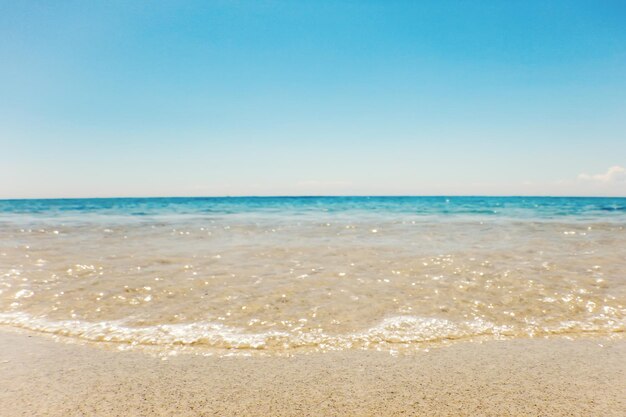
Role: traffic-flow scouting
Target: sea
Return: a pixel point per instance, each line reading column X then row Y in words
column 284, row 275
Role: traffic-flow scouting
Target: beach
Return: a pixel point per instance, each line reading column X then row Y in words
column 41, row 377
column 313, row 306
column 324, row 208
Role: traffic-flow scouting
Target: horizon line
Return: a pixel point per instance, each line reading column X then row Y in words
column 313, row 196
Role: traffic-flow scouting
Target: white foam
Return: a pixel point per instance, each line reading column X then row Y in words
column 390, row 331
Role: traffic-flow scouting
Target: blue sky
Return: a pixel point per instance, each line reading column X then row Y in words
column 157, row 98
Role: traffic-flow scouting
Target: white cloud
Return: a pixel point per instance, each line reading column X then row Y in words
column 613, row 174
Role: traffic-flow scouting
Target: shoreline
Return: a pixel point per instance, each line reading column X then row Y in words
column 511, row 377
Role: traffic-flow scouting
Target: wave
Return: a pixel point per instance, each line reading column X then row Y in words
column 613, row 208
column 398, row 330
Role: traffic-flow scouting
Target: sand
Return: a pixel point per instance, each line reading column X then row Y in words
column 557, row 377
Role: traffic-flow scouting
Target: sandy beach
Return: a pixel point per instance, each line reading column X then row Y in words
column 557, row 377
column 323, row 208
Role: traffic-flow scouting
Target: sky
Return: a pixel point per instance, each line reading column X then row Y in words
column 186, row 98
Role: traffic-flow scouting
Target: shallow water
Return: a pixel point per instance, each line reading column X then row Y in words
column 315, row 274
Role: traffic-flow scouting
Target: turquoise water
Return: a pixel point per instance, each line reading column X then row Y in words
column 512, row 207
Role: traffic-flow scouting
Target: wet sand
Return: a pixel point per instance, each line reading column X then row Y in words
column 558, row 377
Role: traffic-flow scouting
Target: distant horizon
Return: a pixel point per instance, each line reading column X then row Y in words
column 317, row 196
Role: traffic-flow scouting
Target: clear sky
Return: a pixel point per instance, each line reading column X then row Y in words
column 156, row 98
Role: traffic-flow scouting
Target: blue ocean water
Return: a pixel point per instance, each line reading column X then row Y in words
column 606, row 208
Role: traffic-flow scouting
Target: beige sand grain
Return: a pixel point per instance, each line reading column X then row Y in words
column 40, row 377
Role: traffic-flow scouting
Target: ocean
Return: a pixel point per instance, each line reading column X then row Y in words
column 282, row 275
